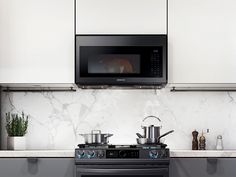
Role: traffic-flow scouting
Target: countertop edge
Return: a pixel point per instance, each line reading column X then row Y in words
column 202, row 153
column 71, row 153
column 37, row 153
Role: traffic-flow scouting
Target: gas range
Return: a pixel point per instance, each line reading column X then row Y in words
column 122, row 160
column 121, row 152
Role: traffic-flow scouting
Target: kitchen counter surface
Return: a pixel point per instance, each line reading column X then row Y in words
column 70, row 153
column 37, row 153
column 198, row 153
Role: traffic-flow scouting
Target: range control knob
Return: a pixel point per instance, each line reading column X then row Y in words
column 163, row 154
column 91, row 154
column 153, row 154
column 123, row 154
column 80, row 154
column 100, row 154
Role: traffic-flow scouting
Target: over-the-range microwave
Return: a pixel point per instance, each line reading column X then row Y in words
column 138, row 61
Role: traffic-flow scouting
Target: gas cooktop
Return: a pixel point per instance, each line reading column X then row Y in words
column 109, row 146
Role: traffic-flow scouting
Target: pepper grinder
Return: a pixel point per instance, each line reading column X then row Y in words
column 202, row 142
column 195, row 140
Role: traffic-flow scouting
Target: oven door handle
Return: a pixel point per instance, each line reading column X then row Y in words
column 124, row 171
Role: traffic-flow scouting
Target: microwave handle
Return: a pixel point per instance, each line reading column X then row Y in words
column 123, row 171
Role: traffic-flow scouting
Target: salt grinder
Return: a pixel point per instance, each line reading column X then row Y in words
column 202, row 142
column 219, row 143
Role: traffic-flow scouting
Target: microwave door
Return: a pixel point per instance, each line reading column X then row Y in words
column 116, row 63
column 132, row 61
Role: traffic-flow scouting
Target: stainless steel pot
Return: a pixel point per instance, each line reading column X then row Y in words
column 141, row 140
column 157, row 139
column 96, row 137
column 152, row 140
column 151, row 131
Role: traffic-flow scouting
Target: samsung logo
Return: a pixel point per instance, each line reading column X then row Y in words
column 120, row 80
column 155, row 51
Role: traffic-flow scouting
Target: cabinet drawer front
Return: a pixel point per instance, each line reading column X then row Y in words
column 202, row 167
column 37, row 167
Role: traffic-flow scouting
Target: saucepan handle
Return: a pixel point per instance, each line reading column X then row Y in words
column 152, row 117
column 108, row 135
column 167, row 133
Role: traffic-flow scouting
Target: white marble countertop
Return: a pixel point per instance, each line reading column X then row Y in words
column 37, row 153
column 205, row 153
column 70, row 153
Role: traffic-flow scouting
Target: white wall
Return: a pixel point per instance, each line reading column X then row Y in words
column 56, row 118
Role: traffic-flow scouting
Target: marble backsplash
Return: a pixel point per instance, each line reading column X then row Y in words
column 57, row 118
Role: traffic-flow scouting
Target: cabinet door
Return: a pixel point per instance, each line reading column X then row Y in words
column 202, row 41
column 36, row 41
column 202, row 167
column 121, row 16
column 42, row 167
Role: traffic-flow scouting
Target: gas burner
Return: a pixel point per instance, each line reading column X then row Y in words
column 153, row 146
column 111, row 146
column 93, row 146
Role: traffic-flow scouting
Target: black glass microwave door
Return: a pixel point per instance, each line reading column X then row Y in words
column 128, row 61
column 114, row 64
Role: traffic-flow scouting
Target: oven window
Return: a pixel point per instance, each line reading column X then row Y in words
column 122, row 176
column 114, row 64
column 123, row 172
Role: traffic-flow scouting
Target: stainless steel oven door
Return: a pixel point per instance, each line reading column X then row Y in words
column 122, row 172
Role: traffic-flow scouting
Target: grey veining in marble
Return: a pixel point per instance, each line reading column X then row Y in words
column 57, row 118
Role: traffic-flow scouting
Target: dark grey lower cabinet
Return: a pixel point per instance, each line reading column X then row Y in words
column 36, row 167
column 203, row 167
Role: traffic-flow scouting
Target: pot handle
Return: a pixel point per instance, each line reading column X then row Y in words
column 167, row 133
column 152, row 117
column 96, row 132
column 108, row 135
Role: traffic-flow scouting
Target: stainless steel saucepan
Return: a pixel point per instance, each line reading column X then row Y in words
column 152, row 140
column 151, row 131
column 96, row 137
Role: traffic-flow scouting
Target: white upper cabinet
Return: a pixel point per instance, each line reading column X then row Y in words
column 202, row 41
column 36, row 41
column 121, row 16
